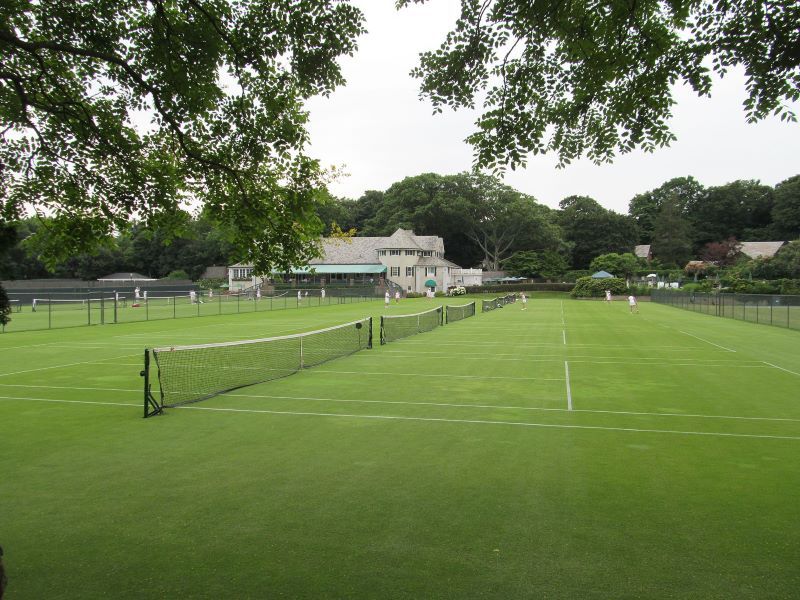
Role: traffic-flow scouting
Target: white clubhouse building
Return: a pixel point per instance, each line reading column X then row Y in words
column 415, row 263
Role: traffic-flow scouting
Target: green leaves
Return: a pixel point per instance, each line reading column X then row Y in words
column 594, row 78
column 121, row 110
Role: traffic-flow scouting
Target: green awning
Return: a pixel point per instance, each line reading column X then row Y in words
column 430, row 283
column 348, row 268
column 324, row 269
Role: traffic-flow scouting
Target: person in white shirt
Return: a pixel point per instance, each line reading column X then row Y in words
column 192, row 296
column 386, row 299
column 608, row 296
column 136, row 293
column 397, row 297
column 632, row 304
column 524, row 299
column 299, row 296
column 210, row 294
column 258, row 293
column 322, row 293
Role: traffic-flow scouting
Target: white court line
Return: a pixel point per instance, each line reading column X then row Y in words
column 435, row 420
column 706, row 341
column 85, row 362
column 444, row 376
column 563, row 322
column 404, row 402
column 781, row 368
column 541, row 357
column 485, row 422
column 564, row 336
column 569, row 391
column 69, row 401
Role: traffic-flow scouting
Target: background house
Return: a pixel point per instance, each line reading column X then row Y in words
column 411, row 262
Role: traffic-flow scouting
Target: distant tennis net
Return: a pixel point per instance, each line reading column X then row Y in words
column 499, row 302
column 462, row 311
column 49, row 304
column 193, row 373
column 400, row 326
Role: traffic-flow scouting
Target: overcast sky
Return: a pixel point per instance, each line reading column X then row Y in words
column 379, row 130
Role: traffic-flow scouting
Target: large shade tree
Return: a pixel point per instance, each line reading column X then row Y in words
column 644, row 208
column 121, row 109
column 741, row 209
column 786, row 209
column 594, row 230
column 596, row 78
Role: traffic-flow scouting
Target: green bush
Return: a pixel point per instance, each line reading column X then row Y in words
column 586, row 287
column 178, row 274
column 520, row 287
column 639, row 290
column 414, row 295
column 790, row 287
column 5, row 307
column 439, row 294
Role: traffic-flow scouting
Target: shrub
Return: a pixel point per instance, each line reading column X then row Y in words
column 458, row 291
column 5, row 307
column 586, row 287
column 439, row 294
column 178, row 274
column 414, row 295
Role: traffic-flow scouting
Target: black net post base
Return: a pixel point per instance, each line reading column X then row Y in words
column 151, row 405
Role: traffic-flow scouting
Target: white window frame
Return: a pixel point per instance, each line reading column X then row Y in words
column 430, row 271
column 394, row 252
column 411, row 252
column 395, row 272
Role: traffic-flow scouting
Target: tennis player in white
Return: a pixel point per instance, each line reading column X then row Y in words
column 632, row 304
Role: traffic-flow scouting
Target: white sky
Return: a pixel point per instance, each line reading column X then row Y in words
column 379, row 130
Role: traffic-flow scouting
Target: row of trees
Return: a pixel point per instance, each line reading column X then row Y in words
column 483, row 223
column 202, row 243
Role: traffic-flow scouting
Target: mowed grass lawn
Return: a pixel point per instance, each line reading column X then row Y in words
column 571, row 450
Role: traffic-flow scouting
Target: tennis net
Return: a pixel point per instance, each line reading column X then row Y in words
column 400, row 326
column 47, row 304
column 462, row 311
column 193, row 373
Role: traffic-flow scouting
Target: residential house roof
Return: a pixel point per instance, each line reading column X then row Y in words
column 642, row 251
column 760, row 249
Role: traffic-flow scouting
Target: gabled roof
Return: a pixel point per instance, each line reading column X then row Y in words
column 350, row 251
column 601, row 275
column 434, row 261
column 402, row 238
column 760, row 249
column 642, row 250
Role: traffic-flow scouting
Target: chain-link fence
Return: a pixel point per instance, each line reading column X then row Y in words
column 33, row 310
column 769, row 309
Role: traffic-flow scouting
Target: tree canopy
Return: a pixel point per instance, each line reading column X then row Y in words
column 114, row 110
column 596, row 78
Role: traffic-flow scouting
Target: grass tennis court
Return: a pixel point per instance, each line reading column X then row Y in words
column 568, row 450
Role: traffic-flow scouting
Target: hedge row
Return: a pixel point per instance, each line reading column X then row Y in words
column 520, row 287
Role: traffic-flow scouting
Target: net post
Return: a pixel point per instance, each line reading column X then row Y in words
column 301, row 353
column 151, row 405
column 383, row 332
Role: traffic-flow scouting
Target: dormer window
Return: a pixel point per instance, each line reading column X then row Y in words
column 394, row 252
column 381, row 252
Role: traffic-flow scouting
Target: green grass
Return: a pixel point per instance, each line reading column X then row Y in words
column 445, row 465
